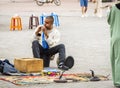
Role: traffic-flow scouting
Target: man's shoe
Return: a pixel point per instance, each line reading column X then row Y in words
column 63, row 67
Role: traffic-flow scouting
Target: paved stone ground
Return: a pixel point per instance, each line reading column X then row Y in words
column 86, row 39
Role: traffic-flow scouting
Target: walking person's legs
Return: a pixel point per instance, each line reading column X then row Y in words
column 84, row 5
column 83, row 11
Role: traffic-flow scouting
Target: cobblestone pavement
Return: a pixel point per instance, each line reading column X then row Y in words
column 86, row 39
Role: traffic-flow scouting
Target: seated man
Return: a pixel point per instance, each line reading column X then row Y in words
column 51, row 37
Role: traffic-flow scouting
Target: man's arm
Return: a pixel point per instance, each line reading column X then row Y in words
column 45, row 32
column 37, row 32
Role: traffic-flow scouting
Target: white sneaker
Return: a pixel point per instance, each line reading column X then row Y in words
column 83, row 16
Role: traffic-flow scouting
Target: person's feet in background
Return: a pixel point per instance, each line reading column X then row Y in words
column 84, row 5
column 82, row 15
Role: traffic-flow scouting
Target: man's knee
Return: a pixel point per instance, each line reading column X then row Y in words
column 61, row 45
column 35, row 42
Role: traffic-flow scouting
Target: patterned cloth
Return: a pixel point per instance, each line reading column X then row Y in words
column 26, row 80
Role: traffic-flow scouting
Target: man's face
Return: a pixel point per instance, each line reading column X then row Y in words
column 48, row 23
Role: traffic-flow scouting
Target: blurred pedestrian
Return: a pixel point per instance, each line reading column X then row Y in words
column 114, row 22
column 84, row 6
column 98, row 8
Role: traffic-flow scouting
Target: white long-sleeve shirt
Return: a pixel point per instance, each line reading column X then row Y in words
column 52, row 40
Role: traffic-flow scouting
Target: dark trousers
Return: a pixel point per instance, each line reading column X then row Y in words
column 45, row 54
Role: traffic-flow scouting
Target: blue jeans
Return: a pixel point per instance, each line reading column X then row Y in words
column 45, row 54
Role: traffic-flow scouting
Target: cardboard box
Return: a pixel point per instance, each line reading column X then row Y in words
column 28, row 64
